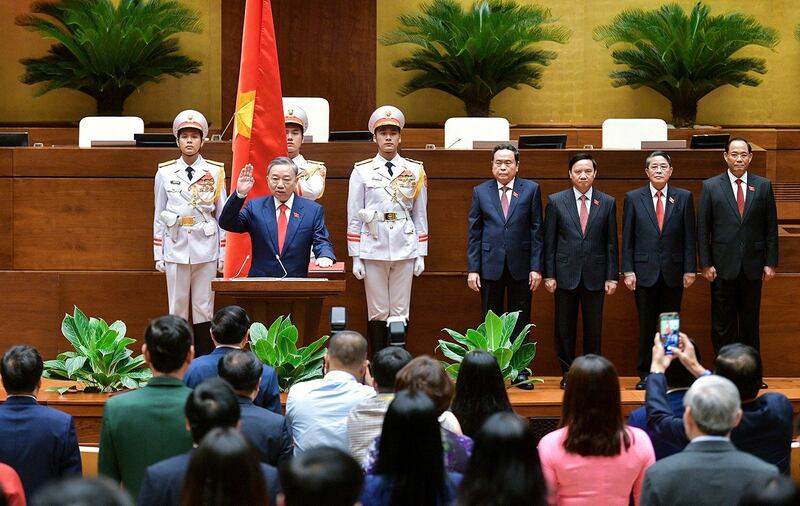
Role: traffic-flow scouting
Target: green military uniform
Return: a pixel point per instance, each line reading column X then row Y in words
column 141, row 428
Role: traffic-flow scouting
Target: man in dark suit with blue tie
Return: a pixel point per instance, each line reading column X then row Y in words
column 581, row 261
column 658, row 250
column 504, row 251
column 38, row 442
column 737, row 242
column 283, row 227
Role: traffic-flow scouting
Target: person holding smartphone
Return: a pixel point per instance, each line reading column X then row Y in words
column 658, row 250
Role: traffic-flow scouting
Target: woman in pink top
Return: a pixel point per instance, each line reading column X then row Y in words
column 594, row 458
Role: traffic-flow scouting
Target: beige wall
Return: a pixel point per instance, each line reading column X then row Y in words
column 576, row 88
column 154, row 102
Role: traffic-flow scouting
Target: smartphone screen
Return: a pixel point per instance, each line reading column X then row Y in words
column 669, row 326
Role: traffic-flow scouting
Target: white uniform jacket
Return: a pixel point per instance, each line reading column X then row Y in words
column 311, row 178
column 185, row 229
column 386, row 215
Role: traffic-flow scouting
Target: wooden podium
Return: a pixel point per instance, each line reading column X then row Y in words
column 265, row 299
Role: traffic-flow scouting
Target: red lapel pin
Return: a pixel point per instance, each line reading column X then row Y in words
column 596, row 202
column 516, row 195
column 296, row 215
column 751, row 188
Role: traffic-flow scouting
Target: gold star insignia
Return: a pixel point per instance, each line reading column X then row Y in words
column 245, row 104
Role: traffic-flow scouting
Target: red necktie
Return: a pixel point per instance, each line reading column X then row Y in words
column 283, row 223
column 584, row 214
column 504, row 201
column 740, row 197
column 659, row 211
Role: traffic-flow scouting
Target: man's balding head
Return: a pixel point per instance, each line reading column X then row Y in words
column 347, row 351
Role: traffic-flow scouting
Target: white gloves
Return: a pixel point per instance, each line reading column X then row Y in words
column 419, row 266
column 323, row 262
column 358, row 268
column 161, row 266
column 220, row 264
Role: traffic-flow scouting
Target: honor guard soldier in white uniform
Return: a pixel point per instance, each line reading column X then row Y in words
column 311, row 175
column 188, row 245
column 387, row 225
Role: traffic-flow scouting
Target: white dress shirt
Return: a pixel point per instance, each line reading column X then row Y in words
column 317, row 410
column 510, row 190
column 735, row 186
column 288, row 204
column 663, row 191
column 578, row 202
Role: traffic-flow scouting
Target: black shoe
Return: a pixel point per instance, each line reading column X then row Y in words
column 563, row 383
column 642, row 385
column 764, row 385
column 523, row 376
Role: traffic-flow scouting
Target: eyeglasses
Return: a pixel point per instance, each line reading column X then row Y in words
column 507, row 163
column 739, row 156
column 657, row 168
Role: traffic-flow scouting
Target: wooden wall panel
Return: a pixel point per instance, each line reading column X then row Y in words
column 6, row 224
column 6, row 161
column 30, row 311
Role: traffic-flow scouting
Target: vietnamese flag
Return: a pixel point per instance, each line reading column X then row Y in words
column 259, row 133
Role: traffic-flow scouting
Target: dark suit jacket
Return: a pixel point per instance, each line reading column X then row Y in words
column 306, row 228
column 729, row 242
column 205, row 367
column 663, row 447
column 648, row 251
column 142, row 427
column 38, row 442
column 765, row 430
column 494, row 240
column 163, row 482
column 267, row 432
column 568, row 255
column 705, row 472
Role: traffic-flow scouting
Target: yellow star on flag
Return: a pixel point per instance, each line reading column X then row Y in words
column 245, row 104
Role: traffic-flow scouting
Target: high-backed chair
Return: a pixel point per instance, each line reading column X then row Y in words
column 108, row 128
column 460, row 133
column 319, row 112
column 629, row 133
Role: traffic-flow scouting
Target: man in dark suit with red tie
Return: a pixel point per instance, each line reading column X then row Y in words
column 504, row 251
column 658, row 250
column 581, row 261
column 737, row 242
column 283, row 227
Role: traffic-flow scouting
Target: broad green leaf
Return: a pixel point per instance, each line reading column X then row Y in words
column 452, row 370
column 524, row 356
column 478, row 341
column 503, row 357
column 494, row 331
column 509, row 322
column 257, row 331
column 290, row 333
column 74, row 364
column 119, row 327
column 459, row 338
column 452, row 351
column 312, row 348
column 521, row 338
column 70, row 330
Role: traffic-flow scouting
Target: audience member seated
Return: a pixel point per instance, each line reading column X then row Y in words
column 81, row 492
column 710, row 470
column 365, row 420
column 38, row 442
column 410, row 467
column 321, row 475
column 224, row 471
column 594, row 458
column 504, row 468
column 317, row 409
column 144, row 426
column 776, row 491
column 480, row 391
column 267, row 432
column 678, row 381
column 11, row 487
column 230, row 330
column 766, row 427
column 212, row 405
column 426, row 375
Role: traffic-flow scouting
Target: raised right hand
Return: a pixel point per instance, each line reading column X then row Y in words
column 246, row 180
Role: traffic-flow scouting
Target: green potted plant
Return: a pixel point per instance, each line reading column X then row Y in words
column 277, row 347
column 684, row 57
column 477, row 53
column 493, row 335
column 101, row 359
column 108, row 49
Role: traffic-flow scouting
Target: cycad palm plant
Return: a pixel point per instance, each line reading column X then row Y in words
column 475, row 54
column 685, row 57
column 108, row 49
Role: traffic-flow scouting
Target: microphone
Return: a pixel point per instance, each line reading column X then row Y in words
column 454, row 143
column 278, row 258
column 242, row 267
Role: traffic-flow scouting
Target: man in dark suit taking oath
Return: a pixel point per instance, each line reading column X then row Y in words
column 283, row 227
column 504, row 251
column 737, row 230
column 581, row 263
column 658, row 250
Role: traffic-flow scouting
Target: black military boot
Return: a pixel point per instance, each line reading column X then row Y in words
column 376, row 335
column 202, row 339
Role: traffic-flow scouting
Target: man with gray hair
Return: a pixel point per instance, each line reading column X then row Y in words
column 317, row 409
column 283, row 227
column 710, row 470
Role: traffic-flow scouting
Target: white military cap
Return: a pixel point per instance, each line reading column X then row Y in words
column 190, row 119
column 386, row 115
column 296, row 115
